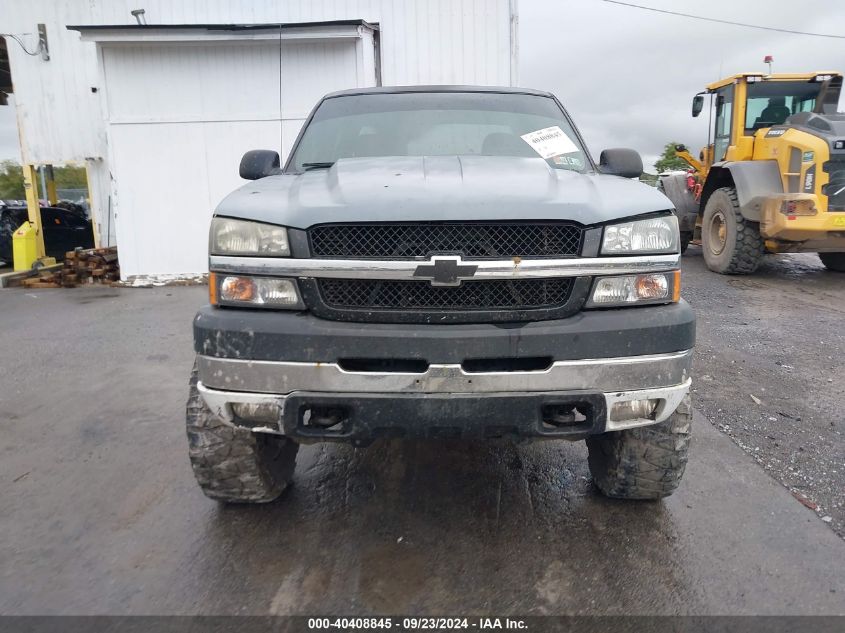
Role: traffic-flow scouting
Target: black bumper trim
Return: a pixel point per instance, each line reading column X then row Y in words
column 300, row 336
column 364, row 417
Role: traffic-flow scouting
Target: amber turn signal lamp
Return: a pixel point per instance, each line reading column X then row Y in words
column 212, row 288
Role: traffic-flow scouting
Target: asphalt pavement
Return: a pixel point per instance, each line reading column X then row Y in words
column 768, row 370
column 101, row 515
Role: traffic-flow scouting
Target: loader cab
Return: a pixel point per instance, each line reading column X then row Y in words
column 771, row 103
column 743, row 104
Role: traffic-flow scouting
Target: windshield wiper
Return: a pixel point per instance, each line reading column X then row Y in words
column 324, row 165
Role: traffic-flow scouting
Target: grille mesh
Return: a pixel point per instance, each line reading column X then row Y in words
column 421, row 295
column 835, row 189
column 471, row 240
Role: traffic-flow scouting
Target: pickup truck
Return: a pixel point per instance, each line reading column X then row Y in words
column 441, row 262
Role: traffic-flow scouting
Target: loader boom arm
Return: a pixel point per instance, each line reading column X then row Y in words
column 683, row 153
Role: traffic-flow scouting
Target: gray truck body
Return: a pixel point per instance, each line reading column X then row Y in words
column 420, row 370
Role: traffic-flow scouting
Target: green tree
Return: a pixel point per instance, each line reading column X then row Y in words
column 668, row 161
column 11, row 181
column 70, row 177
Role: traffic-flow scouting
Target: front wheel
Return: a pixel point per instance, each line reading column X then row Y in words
column 233, row 464
column 833, row 261
column 642, row 463
column 731, row 244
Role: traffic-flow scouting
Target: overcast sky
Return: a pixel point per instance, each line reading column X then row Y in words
column 627, row 76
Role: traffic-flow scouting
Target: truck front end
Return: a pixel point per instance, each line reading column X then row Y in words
column 447, row 296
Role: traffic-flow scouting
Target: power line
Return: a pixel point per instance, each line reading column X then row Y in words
column 699, row 17
column 22, row 45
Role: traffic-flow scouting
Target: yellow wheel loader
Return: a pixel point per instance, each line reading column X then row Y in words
column 772, row 177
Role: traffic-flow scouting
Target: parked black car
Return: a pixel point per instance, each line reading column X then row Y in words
column 64, row 230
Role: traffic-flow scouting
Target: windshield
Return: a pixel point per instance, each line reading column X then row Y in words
column 771, row 102
column 439, row 124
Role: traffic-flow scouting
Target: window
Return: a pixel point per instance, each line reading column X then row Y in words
column 724, row 120
column 771, row 102
column 432, row 124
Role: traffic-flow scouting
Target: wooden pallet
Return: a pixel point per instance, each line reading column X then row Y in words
column 89, row 266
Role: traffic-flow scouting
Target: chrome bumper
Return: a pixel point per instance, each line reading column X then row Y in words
column 665, row 377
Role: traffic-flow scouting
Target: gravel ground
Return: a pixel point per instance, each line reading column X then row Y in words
column 768, row 370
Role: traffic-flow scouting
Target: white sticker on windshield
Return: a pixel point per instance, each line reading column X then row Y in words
column 550, row 141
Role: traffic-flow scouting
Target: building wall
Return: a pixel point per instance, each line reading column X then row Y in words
column 181, row 115
column 59, row 102
column 422, row 41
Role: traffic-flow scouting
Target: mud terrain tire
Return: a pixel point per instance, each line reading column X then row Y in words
column 233, row 464
column 833, row 261
column 643, row 463
column 740, row 248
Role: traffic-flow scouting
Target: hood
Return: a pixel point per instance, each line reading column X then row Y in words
column 401, row 189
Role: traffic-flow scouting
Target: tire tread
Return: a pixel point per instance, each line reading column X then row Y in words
column 833, row 261
column 643, row 463
column 231, row 464
column 749, row 247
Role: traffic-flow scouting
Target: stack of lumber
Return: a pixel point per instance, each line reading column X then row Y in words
column 91, row 266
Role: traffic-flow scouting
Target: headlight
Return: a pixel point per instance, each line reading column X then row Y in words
column 240, row 237
column 636, row 289
column 254, row 292
column 654, row 235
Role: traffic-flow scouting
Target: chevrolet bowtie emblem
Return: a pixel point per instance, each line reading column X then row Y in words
column 445, row 271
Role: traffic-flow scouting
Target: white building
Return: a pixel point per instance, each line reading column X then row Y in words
column 161, row 114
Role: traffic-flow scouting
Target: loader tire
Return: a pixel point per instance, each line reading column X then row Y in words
column 833, row 261
column 731, row 244
column 233, row 464
column 642, row 463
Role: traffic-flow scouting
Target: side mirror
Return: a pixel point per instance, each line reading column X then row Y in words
column 621, row 162
column 697, row 105
column 258, row 163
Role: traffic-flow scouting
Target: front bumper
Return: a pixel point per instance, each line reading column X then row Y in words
column 290, row 373
column 570, row 399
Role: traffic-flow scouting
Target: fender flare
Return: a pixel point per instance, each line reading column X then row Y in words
column 754, row 181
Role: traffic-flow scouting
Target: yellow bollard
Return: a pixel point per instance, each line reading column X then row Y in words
column 24, row 247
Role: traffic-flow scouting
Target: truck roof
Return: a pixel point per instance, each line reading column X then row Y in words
column 445, row 88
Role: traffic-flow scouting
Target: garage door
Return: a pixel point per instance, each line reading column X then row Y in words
column 180, row 115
